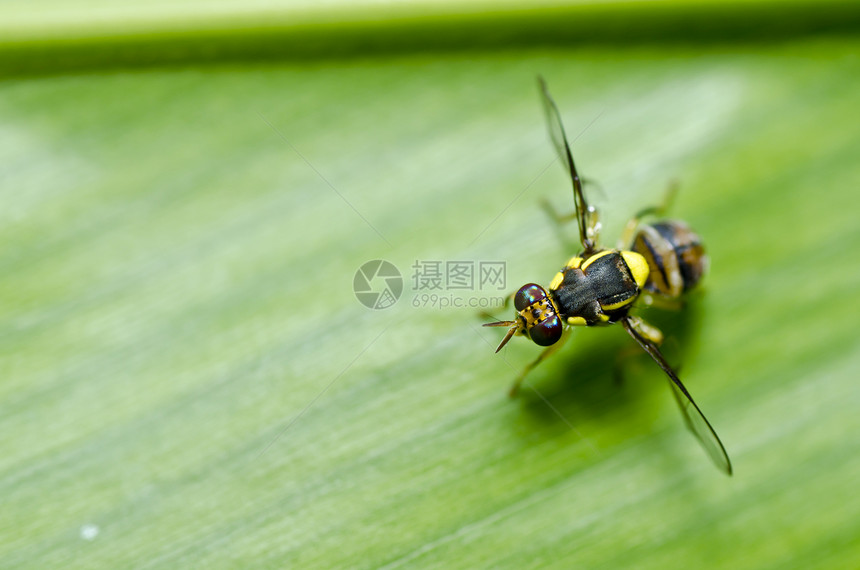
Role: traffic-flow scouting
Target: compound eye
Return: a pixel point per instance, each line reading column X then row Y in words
column 546, row 332
column 528, row 295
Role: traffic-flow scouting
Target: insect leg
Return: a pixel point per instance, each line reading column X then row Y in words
column 553, row 214
column 592, row 219
column 505, row 304
column 666, row 304
column 547, row 352
column 649, row 332
column 629, row 232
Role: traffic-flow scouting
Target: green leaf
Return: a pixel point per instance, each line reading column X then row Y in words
column 190, row 381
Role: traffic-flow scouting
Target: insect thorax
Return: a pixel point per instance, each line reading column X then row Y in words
column 599, row 290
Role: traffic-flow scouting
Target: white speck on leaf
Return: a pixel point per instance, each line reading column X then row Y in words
column 89, row 531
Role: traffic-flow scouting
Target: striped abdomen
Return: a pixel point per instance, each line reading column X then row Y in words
column 675, row 256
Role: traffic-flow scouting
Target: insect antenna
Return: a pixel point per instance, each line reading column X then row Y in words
column 514, row 326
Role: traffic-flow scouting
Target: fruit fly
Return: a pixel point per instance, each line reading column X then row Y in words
column 656, row 263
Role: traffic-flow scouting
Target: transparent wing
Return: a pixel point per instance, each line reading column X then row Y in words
column 693, row 416
column 562, row 147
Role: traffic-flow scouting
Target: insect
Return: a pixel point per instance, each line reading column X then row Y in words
column 656, row 263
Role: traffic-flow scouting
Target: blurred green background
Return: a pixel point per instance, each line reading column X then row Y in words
column 189, row 188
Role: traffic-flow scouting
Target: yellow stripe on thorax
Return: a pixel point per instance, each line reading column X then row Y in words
column 613, row 306
column 595, row 257
column 573, row 263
